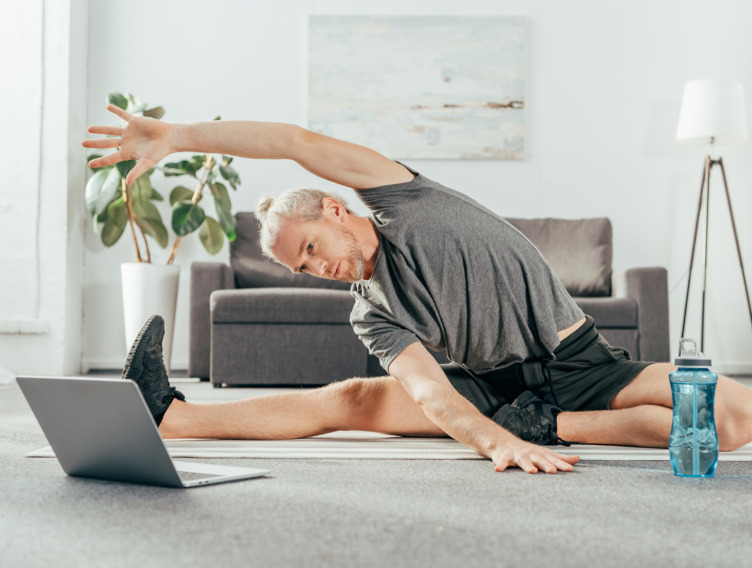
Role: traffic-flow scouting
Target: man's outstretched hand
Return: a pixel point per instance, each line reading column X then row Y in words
column 532, row 458
column 145, row 140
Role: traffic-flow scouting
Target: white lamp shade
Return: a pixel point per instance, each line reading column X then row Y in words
column 712, row 109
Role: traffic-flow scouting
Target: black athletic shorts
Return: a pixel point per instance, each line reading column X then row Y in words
column 586, row 374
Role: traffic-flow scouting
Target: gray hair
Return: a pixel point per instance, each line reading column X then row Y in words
column 298, row 204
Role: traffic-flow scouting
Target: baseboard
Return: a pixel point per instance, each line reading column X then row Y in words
column 109, row 364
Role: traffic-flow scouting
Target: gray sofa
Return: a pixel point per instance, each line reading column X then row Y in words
column 255, row 323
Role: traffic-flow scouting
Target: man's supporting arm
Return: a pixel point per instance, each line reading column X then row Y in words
column 427, row 384
column 149, row 141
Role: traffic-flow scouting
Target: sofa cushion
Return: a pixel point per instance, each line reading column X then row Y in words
column 578, row 250
column 281, row 306
column 253, row 270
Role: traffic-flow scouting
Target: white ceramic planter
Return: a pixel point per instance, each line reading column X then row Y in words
column 149, row 289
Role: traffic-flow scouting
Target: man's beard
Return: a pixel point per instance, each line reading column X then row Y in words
column 355, row 260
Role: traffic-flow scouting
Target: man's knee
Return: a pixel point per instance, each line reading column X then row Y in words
column 355, row 399
column 733, row 432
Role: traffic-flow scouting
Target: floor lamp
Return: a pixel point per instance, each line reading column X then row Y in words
column 712, row 112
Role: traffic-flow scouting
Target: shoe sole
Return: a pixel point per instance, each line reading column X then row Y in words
column 136, row 351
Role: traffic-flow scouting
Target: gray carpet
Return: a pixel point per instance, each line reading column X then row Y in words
column 368, row 512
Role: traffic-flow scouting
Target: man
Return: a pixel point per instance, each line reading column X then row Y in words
column 432, row 268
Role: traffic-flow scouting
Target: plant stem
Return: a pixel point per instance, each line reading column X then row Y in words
column 146, row 243
column 129, row 211
column 208, row 165
column 173, row 250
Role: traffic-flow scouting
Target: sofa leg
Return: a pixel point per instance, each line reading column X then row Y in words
column 217, row 385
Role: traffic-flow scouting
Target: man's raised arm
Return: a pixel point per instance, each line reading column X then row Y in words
column 427, row 384
column 149, row 141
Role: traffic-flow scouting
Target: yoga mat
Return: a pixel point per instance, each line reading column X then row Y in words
column 367, row 445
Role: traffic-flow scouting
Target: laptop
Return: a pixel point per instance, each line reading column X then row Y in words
column 103, row 429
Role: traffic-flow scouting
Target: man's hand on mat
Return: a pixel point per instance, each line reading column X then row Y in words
column 531, row 458
column 144, row 139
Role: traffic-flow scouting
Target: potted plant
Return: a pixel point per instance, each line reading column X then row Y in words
column 148, row 287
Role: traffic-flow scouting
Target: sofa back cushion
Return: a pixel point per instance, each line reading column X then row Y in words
column 580, row 251
column 253, row 270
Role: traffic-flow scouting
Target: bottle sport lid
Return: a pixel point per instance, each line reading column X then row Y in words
column 689, row 356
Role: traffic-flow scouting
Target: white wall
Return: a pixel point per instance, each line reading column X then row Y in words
column 605, row 81
column 42, row 105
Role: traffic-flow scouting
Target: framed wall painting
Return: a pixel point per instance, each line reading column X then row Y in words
column 420, row 87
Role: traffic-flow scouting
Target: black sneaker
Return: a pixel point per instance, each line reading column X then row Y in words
column 530, row 419
column 145, row 366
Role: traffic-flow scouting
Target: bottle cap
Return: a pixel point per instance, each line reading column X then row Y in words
column 689, row 356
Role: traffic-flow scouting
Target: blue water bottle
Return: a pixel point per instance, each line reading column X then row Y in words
column 693, row 445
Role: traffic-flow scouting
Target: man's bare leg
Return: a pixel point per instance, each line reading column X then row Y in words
column 645, row 425
column 375, row 404
column 641, row 414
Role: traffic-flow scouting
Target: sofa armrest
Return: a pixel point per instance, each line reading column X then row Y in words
column 206, row 277
column 649, row 288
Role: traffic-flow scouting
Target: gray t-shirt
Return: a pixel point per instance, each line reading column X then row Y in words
column 454, row 276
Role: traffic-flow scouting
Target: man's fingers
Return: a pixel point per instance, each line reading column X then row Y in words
column 534, row 459
column 555, row 461
column 527, row 464
column 120, row 112
column 571, row 460
column 101, row 143
column 111, row 130
column 501, row 464
column 563, row 461
column 108, row 160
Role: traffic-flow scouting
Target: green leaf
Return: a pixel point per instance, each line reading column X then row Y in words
column 118, row 100
column 226, row 160
column 93, row 189
column 229, row 173
column 198, row 162
column 219, row 191
column 155, row 195
column 180, row 168
column 138, row 109
column 211, row 236
column 171, row 170
column 186, row 217
column 146, row 210
column 226, row 220
column 101, row 189
column 156, row 112
column 217, row 117
column 155, row 228
column 141, row 189
column 117, row 219
column 135, row 105
column 125, row 167
column 180, row 193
